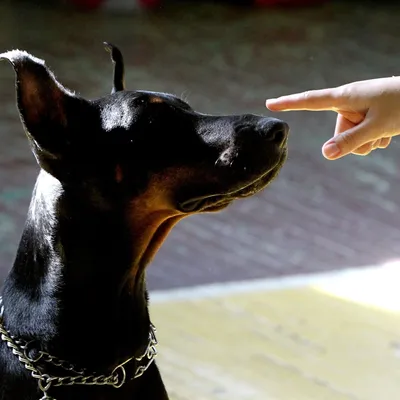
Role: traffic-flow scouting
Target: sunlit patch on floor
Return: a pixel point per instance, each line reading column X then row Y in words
column 375, row 287
column 329, row 336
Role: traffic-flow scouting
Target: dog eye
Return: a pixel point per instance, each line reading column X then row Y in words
column 139, row 101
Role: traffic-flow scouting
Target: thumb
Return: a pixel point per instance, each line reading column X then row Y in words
column 349, row 140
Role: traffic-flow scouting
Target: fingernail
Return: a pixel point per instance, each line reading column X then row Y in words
column 272, row 104
column 268, row 102
column 331, row 150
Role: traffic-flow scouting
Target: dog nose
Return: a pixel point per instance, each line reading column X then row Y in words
column 274, row 130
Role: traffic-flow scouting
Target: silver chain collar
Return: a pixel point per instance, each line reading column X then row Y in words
column 118, row 377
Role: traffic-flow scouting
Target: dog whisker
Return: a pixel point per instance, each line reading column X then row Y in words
column 185, row 96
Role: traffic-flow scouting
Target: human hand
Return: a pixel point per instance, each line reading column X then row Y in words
column 368, row 114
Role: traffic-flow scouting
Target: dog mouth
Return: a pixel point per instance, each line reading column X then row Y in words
column 217, row 202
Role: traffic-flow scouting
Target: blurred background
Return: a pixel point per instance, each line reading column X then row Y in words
column 290, row 294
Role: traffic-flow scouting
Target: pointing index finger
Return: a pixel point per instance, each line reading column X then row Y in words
column 312, row 100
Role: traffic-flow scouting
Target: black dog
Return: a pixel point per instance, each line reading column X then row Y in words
column 116, row 175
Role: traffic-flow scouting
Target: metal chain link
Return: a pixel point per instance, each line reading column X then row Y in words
column 42, row 356
column 117, row 378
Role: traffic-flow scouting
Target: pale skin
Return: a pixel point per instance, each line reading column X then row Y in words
column 368, row 114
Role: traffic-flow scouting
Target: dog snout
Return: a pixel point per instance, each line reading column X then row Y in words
column 274, row 130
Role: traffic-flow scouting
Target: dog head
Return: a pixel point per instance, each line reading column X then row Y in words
column 140, row 146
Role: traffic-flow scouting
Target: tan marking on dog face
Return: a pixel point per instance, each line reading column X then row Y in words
column 156, row 99
column 152, row 215
column 118, row 174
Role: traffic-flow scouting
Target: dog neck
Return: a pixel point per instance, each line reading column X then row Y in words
column 78, row 282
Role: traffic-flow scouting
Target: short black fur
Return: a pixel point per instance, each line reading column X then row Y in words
column 116, row 174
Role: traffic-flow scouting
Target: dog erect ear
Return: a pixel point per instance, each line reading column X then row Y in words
column 119, row 69
column 44, row 104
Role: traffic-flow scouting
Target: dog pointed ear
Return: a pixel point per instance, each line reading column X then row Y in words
column 119, row 68
column 43, row 103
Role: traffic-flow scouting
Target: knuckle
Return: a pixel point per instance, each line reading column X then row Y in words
column 340, row 93
column 347, row 140
column 376, row 144
column 366, row 151
column 362, row 153
column 307, row 95
column 336, row 97
column 347, row 91
column 363, row 150
column 385, row 143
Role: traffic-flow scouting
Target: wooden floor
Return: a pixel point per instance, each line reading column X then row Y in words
column 334, row 339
